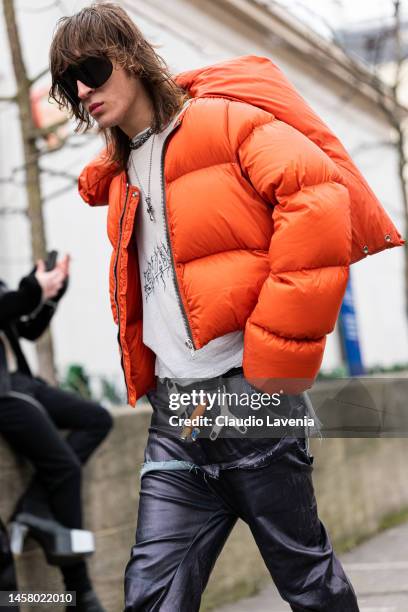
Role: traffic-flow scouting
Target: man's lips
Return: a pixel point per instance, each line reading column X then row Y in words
column 94, row 107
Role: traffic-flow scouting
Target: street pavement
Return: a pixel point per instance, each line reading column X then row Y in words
column 378, row 570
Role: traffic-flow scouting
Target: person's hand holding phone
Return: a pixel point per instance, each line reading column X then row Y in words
column 52, row 281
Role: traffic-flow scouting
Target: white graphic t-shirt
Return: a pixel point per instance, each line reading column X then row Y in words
column 165, row 330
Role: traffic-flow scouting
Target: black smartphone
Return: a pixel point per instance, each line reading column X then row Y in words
column 51, row 260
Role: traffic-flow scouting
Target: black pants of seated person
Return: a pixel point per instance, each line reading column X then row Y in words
column 34, row 434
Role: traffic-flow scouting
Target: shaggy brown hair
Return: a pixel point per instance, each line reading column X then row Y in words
column 107, row 30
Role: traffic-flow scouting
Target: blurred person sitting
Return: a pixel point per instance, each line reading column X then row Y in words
column 31, row 412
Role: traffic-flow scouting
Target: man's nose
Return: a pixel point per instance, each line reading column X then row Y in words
column 83, row 90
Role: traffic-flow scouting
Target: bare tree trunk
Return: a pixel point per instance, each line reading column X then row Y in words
column 402, row 166
column 402, row 141
column 44, row 347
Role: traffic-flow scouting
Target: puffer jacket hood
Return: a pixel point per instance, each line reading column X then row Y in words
column 258, row 81
column 265, row 211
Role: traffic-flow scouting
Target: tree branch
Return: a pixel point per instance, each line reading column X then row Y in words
column 10, row 210
column 46, row 131
column 60, row 173
column 39, row 75
column 58, row 192
column 8, row 98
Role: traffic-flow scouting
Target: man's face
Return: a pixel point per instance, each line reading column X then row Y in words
column 112, row 103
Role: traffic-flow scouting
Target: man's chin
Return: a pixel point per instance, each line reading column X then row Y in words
column 104, row 123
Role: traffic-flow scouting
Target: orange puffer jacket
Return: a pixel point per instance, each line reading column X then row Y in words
column 263, row 220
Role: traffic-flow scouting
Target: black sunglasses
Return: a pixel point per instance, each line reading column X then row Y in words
column 92, row 72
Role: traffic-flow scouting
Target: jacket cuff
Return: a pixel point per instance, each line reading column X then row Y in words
column 274, row 363
column 32, row 291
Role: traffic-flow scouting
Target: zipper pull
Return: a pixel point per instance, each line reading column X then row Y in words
column 190, row 346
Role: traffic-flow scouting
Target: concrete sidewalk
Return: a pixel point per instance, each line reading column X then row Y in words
column 378, row 570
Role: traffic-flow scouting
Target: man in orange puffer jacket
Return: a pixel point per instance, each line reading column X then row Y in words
column 233, row 219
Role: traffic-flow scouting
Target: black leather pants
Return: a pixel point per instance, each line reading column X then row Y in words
column 185, row 516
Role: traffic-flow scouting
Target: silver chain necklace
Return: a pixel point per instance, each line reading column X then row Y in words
column 148, row 197
column 138, row 141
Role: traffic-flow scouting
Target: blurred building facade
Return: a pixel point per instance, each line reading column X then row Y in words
column 194, row 33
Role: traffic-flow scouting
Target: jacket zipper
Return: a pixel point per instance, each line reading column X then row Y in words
column 116, row 280
column 189, row 343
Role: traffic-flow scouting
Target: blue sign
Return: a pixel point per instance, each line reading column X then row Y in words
column 349, row 334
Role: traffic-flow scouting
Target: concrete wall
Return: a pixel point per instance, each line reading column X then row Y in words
column 357, row 481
